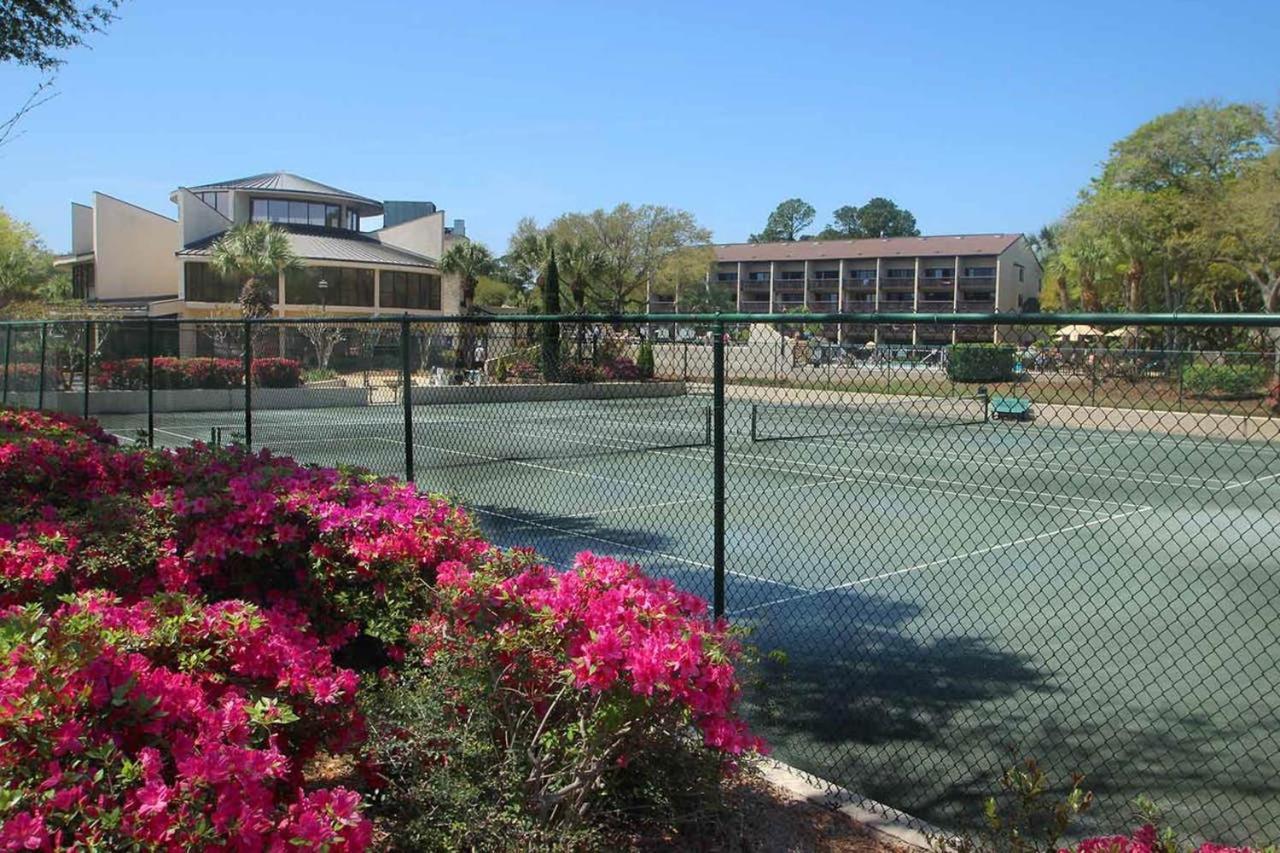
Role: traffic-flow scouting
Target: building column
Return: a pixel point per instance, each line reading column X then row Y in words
column 738, row 278
column 879, row 273
column 840, row 304
column 915, row 304
column 955, row 294
column 995, row 330
column 772, row 269
column 377, row 290
column 804, row 293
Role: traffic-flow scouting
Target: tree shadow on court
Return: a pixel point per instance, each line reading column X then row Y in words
column 868, row 699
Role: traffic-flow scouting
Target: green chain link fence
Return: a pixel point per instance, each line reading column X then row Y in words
column 955, row 539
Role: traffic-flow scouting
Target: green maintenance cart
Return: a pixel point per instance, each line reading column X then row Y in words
column 1007, row 407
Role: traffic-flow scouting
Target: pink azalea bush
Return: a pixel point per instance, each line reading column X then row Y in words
column 209, row 373
column 182, row 631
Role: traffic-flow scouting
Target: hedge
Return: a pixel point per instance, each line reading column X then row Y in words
column 981, row 363
column 1223, row 380
column 130, row 374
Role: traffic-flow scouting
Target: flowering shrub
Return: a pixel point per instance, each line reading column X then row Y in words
column 204, row 373
column 169, row 723
column 523, row 371
column 26, row 377
column 622, row 369
column 594, row 668
column 180, row 631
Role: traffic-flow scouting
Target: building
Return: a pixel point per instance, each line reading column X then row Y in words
column 944, row 274
column 147, row 264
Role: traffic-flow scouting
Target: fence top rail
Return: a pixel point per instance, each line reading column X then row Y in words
column 1103, row 320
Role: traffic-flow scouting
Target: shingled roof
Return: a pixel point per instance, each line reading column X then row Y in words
column 883, row 247
column 327, row 244
column 287, row 184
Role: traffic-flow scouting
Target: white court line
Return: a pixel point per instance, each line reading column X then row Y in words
column 614, row 543
column 1255, row 480
column 876, row 475
column 932, row 563
column 525, row 464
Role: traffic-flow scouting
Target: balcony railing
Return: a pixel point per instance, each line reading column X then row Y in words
column 935, row 306
column 974, row 305
column 755, row 306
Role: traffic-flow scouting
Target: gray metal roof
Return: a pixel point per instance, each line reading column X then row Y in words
column 883, row 247
column 289, row 184
column 326, row 244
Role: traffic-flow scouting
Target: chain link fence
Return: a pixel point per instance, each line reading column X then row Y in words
column 949, row 555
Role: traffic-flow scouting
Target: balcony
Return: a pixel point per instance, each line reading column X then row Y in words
column 755, row 306
column 934, row 306
column 861, row 284
column 753, row 278
column 851, row 307
column 976, row 305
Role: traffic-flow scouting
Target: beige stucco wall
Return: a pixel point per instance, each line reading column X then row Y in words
column 424, row 235
column 1010, row 288
column 81, row 229
column 198, row 220
column 133, row 250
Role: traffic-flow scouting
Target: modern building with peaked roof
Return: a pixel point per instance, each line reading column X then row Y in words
column 153, row 265
column 938, row 274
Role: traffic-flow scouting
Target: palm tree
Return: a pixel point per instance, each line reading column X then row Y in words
column 468, row 261
column 255, row 253
column 581, row 265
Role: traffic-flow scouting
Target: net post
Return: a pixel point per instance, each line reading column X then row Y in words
column 44, row 340
column 248, row 385
column 717, row 369
column 710, row 436
column 984, row 396
column 754, row 408
column 88, row 353
column 8, row 350
column 151, row 384
column 406, row 394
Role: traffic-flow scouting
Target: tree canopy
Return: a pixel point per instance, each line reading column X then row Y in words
column 34, row 33
column 879, row 217
column 1183, row 215
column 27, row 274
column 786, row 222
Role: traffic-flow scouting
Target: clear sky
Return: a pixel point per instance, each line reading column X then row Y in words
column 975, row 116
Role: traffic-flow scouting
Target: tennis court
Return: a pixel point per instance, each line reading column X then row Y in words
column 945, row 588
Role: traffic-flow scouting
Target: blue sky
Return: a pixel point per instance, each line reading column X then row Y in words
column 975, row 116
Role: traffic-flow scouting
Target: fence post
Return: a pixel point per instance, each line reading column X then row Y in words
column 88, row 350
column 44, row 339
column 406, row 394
column 151, row 383
column 8, row 350
column 248, row 385
column 717, row 368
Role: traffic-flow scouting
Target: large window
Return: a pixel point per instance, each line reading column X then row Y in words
column 82, row 281
column 900, row 273
column 219, row 201
column 410, row 290
column 980, row 272
column 344, row 286
column 290, row 212
column 938, row 272
column 203, row 284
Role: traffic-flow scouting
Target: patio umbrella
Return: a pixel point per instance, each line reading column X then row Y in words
column 1077, row 333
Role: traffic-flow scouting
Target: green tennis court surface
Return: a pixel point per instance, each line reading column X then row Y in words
column 946, row 588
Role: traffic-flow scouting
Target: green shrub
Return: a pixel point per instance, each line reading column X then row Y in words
column 981, row 363
column 1226, row 381
column 500, row 371
column 644, row 360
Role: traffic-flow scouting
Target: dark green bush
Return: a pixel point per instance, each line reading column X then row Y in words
column 981, row 363
column 1223, row 380
column 644, row 360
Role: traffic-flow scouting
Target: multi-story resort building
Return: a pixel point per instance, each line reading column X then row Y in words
column 945, row 274
column 145, row 264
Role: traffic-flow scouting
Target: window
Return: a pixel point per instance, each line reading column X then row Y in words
column 1020, row 269
column 345, row 286
column 219, row 201
column 203, row 284
column 938, row 272
column 726, row 276
column 826, row 275
column 82, row 281
column 900, row 273
column 898, row 297
column 353, row 220
column 862, row 275
column 288, row 212
column 980, row 272
column 409, row 290
column 791, row 275
column 757, row 276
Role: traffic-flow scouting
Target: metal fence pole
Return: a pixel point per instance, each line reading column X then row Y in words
column 406, row 393
column 717, row 368
column 151, row 383
column 248, row 385
column 44, row 340
column 8, row 351
column 88, row 350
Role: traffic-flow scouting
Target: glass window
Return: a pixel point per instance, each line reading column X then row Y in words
column 298, row 212
column 259, row 213
column 277, row 210
column 344, row 286
column 900, row 273
column 203, row 284
column 980, row 272
column 409, row 290
column 332, row 216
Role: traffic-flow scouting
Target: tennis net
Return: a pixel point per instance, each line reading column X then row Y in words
column 783, row 422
